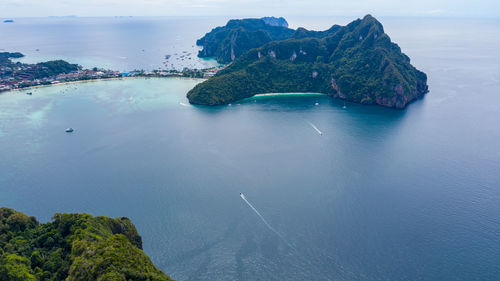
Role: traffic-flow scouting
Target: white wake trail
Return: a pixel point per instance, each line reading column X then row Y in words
column 264, row 220
column 315, row 128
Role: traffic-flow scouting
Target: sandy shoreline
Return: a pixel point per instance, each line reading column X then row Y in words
column 93, row 80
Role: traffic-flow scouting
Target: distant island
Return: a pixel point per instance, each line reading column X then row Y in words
column 72, row 247
column 357, row 63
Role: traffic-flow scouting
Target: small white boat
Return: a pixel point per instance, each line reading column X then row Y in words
column 316, row 104
column 69, row 130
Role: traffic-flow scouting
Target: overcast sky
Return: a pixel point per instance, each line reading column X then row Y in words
column 461, row 8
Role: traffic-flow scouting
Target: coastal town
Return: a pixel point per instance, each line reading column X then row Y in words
column 16, row 75
column 26, row 79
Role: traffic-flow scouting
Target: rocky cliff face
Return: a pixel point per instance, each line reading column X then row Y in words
column 273, row 21
column 357, row 62
column 228, row 42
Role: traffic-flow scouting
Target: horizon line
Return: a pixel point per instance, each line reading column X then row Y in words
column 255, row 16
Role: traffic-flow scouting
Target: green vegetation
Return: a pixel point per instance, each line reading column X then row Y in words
column 238, row 36
column 23, row 71
column 55, row 67
column 6, row 56
column 72, row 247
column 357, row 62
column 304, row 33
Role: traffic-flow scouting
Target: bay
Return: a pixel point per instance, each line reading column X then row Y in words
column 381, row 194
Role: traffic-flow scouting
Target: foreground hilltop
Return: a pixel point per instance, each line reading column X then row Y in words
column 72, row 247
column 357, row 62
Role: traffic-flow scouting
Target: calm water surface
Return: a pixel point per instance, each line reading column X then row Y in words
column 118, row 43
column 382, row 194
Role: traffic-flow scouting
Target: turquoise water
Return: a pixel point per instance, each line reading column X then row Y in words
column 381, row 194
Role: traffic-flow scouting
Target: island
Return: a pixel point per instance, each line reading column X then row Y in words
column 356, row 63
column 72, row 247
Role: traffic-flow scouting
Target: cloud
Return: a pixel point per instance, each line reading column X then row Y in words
column 13, row 8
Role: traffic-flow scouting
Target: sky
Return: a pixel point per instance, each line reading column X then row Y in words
column 256, row 8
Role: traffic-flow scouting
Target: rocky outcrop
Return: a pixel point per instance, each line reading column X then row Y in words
column 273, row 21
column 337, row 93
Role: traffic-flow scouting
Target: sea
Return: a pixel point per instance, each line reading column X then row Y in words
column 289, row 187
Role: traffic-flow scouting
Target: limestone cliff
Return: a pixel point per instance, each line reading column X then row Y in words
column 357, row 62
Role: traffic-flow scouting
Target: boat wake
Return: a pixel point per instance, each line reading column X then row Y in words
column 315, row 128
column 183, row 104
column 264, row 221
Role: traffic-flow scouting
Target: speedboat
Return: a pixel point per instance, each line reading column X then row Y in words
column 69, row 130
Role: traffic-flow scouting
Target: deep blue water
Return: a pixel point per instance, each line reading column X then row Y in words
column 382, row 194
